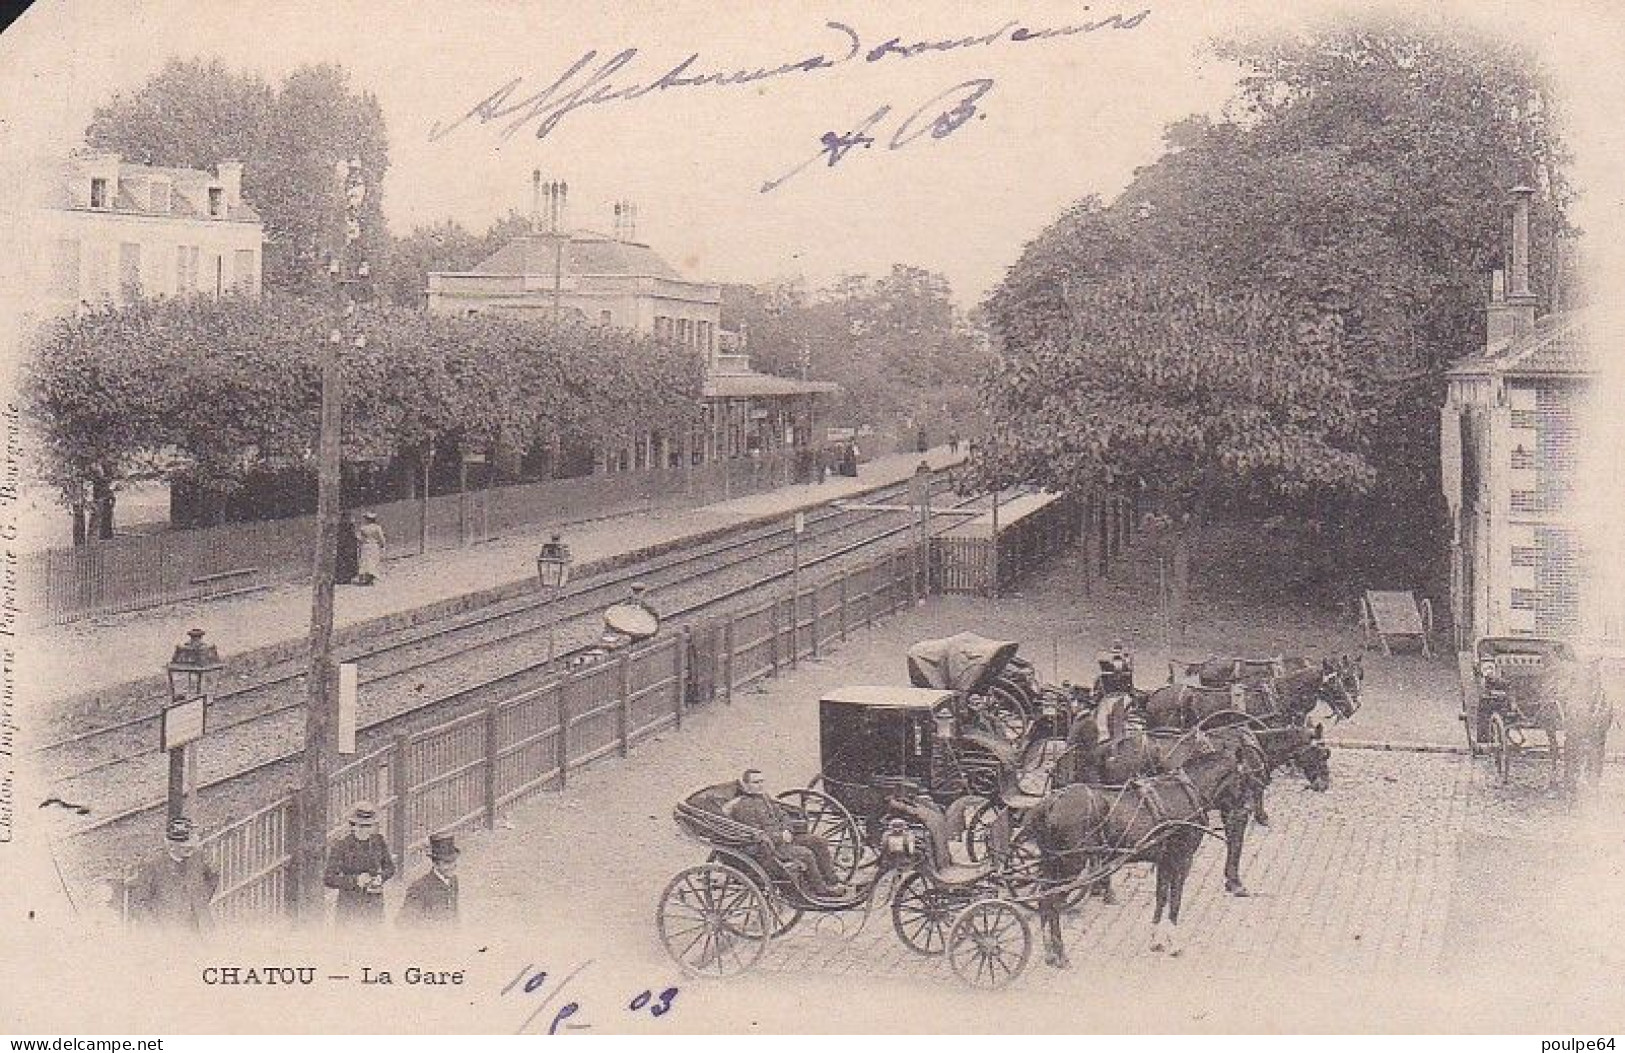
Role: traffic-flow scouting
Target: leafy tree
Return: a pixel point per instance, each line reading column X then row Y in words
column 211, row 391
column 445, row 246
column 1266, row 312
column 896, row 345
column 194, row 115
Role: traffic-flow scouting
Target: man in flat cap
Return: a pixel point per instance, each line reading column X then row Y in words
column 431, row 901
column 174, row 890
column 358, row 866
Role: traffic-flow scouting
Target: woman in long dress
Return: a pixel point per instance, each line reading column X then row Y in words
column 371, row 538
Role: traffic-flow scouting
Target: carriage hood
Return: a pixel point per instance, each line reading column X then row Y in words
column 963, row 662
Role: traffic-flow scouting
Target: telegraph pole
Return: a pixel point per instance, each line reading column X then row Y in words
column 321, row 705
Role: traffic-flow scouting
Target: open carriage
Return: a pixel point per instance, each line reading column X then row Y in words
column 1504, row 699
column 893, row 765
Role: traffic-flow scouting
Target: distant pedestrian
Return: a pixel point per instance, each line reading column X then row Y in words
column 431, row 900
column 174, row 890
column 358, row 866
column 371, row 554
column 349, row 552
column 953, row 442
column 920, row 443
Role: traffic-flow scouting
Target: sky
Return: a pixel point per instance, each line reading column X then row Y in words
column 1064, row 116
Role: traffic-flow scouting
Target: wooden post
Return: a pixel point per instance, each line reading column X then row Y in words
column 1084, row 532
column 680, row 672
column 728, row 661
column 844, row 578
column 1102, row 536
column 292, row 836
column 402, row 791
column 427, row 457
column 561, row 743
column 623, row 707
column 869, row 596
column 814, row 628
column 773, row 635
column 993, row 570
column 491, row 721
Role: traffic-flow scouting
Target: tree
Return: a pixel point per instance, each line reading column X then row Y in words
column 1316, row 261
column 210, row 391
column 445, row 246
column 195, row 115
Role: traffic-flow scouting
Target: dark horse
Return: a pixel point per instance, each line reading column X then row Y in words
column 1140, row 754
column 1285, row 698
column 1568, row 695
column 1082, row 829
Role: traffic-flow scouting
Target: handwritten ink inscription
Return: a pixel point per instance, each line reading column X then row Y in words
column 594, row 80
column 570, row 1015
column 940, row 116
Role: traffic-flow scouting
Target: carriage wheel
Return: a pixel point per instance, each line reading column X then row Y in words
column 979, row 825
column 990, row 944
column 714, row 921
column 923, row 912
column 1006, row 712
column 828, row 819
column 1503, row 746
column 781, row 912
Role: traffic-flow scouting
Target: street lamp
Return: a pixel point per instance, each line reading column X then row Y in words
column 183, row 719
column 553, row 572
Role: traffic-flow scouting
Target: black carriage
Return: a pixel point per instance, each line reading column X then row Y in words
column 718, row 917
column 1501, row 701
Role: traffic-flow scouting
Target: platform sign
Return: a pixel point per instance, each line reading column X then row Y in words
column 801, row 522
column 183, row 723
column 348, row 684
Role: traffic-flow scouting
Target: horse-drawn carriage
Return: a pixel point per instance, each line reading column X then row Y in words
column 1516, row 686
column 892, row 758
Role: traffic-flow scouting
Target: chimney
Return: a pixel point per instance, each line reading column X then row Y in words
column 536, row 201
column 231, row 178
column 1511, row 312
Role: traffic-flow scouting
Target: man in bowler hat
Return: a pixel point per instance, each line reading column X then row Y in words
column 358, row 866
column 174, row 890
column 431, row 901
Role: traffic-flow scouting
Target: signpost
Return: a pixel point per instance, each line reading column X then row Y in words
column 795, row 584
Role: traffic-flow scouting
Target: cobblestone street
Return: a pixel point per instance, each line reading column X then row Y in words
column 1414, row 865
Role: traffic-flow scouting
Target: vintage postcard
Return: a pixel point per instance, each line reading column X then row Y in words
column 548, row 517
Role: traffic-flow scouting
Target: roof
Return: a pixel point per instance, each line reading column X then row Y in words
column 585, row 253
column 889, row 697
column 1558, row 346
column 747, row 385
column 129, row 172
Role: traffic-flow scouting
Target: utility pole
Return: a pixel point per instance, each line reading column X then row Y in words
column 321, row 705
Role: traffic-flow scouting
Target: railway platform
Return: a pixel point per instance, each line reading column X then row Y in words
column 99, row 655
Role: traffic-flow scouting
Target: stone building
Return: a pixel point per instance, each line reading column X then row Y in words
column 1511, row 448
column 555, row 271
column 112, row 232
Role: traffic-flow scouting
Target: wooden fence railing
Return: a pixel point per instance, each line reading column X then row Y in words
column 136, row 571
column 466, row 770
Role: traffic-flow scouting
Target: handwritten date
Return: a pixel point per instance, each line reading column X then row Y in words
column 939, row 117
column 532, row 982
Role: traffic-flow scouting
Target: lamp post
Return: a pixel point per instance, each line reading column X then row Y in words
column 553, row 573
column 183, row 720
column 321, row 700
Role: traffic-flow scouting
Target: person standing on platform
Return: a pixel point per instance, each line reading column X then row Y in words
column 431, row 900
column 358, row 866
column 372, row 544
column 349, row 557
column 175, row 890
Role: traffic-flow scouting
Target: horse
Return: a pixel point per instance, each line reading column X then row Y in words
column 1154, row 753
column 1160, row 820
column 1569, row 694
column 1288, row 697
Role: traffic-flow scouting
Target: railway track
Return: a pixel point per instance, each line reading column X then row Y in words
column 409, row 680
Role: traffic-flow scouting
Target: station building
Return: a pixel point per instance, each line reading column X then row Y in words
column 1512, row 445
column 613, row 279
